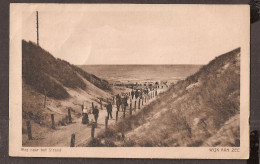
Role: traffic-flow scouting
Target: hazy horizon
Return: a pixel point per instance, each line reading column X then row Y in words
column 137, row 73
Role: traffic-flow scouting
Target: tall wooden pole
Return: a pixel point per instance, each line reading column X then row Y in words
column 37, row 26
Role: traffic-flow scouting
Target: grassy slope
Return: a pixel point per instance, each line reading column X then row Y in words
column 44, row 72
column 66, row 85
column 194, row 112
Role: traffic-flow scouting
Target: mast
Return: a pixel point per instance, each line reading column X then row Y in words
column 37, row 27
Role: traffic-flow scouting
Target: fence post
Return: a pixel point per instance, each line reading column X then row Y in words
column 139, row 103
column 72, row 141
column 123, row 133
column 69, row 114
column 116, row 115
column 93, row 130
column 124, row 111
column 106, row 121
column 29, row 129
column 101, row 104
column 131, row 108
column 52, row 121
column 92, row 105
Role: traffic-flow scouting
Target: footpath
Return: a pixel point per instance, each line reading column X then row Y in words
column 80, row 134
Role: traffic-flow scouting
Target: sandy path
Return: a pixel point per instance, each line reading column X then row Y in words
column 62, row 135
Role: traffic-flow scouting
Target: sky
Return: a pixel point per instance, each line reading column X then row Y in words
column 137, row 34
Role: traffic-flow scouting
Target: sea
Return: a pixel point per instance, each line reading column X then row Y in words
column 141, row 73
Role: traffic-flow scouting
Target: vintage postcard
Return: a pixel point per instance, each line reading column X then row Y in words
column 129, row 81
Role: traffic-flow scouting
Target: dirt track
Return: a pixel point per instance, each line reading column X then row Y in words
column 61, row 136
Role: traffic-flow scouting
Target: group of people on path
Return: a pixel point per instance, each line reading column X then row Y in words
column 91, row 115
column 140, row 93
column 122, row 100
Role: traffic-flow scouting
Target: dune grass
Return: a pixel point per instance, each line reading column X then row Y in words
column 48, row 74
column 196, row 109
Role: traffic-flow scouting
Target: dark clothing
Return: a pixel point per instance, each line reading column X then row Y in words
column 85, row 119
column 95, row 113
column 136, row 94
column 109, row 110
column 117, row 107
column 118, row 102
column 96, row 117
column 109, row 114
column 118, row 98
column 125, row 102
column 132, row 94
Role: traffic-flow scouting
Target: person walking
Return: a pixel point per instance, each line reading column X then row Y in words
column 95, row 113
column 117, row 104
column 109, row 110
column 85, row 119
column 125, row 104
column 136, row 94
column 132, row 94
column 122, row 105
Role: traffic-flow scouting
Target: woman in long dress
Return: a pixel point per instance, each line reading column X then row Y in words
column 85, row 119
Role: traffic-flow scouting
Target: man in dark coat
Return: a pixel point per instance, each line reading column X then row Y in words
column 125, row 103
column 136, row 94
column 96, row 113
column 109, row 110
column 132, row 94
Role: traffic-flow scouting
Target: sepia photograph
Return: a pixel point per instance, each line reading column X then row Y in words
column 135, row 79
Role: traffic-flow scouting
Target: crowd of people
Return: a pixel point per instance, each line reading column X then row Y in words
column 122, row 100
column 90, row 115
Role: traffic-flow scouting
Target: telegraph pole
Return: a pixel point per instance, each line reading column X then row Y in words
column 37, row 27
